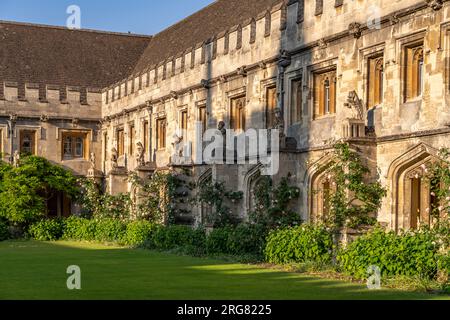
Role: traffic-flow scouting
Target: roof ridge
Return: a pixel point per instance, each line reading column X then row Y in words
column 47, row 26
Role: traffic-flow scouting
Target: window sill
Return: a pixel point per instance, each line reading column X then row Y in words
column 73, row 160
column 326, row 116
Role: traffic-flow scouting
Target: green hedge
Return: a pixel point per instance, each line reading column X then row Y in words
column 217, row 241
column 138, row 232
column 409, row 253
column 79, row 229
column 180, row 238
column 305, row 243
column 4, row 231
column 247, row 239
column 47, row 230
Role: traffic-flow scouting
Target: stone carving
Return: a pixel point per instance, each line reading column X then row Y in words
column 356, row 104
column 13, row 117
column 140, row 155
column 204, row 83
column 242, row 71
column 178, row 144
column 355, row 29
column 174, row 95
column 16, row 159
column 221, row 127
column 114, row 158
column 322, row 43
column 435, row 4
column 75, row 122
column 279, row 121
column 43, row 118
column 92, row 160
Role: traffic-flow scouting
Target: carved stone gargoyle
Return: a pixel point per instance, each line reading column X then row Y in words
column 356, row 104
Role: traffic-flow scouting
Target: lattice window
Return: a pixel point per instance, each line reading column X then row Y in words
column 376, row 81
column 161, row 133
column 237, row 120
column 324, row 93
column 28, row 142
column 414, row 72
column 271, row 97
column 296, row 100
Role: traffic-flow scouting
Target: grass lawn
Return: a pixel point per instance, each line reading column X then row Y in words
column 37, row 270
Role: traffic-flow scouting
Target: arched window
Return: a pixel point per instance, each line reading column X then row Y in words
column 415, row 71
column 324, row 93
column 418, row 64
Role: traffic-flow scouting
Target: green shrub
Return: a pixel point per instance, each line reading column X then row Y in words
column 413, row 253
column 305, row 243
column 4, row 231
column 109, row 230
column 80, row 229
column 138, row 232
column 47, row 230
column 217, row 241
column 247, row 239
column 177, row 237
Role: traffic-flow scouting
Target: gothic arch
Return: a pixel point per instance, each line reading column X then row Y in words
column 409, row 193
column 251, row 179
column 203, row 209
column 314, row 179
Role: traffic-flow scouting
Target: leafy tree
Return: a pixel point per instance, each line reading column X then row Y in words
column 354, row 198
column 216, row 196
column 25, row 190
column 437, row 173
column 273, row 204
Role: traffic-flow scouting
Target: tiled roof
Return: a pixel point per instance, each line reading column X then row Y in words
column 220, row 16
column 56, row 55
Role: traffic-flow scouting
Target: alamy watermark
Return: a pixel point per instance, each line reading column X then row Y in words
column 74, row 280
column 74, row 19
column 374, row 278
column 228, row 146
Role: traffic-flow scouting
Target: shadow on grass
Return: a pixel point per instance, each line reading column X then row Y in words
column 37, row 270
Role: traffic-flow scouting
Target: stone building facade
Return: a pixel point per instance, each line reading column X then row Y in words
column 371, row 72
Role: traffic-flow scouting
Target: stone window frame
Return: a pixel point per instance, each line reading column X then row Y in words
column 414, row 70
column 180, row 112
column 131, row 137
column 202, row 105
column 292, row 76
column 231, row 95
column 312, row 70
column 401, row 44
column 120, row 140
column 365, row 54
column 73, row 134
column 320, row 80
column 161, row 131
column 444, row 46
column 266, row 84
column 375, row 86
column 145, row 134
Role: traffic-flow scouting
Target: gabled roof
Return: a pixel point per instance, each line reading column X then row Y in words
column 56, row 55
column 219, row 16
